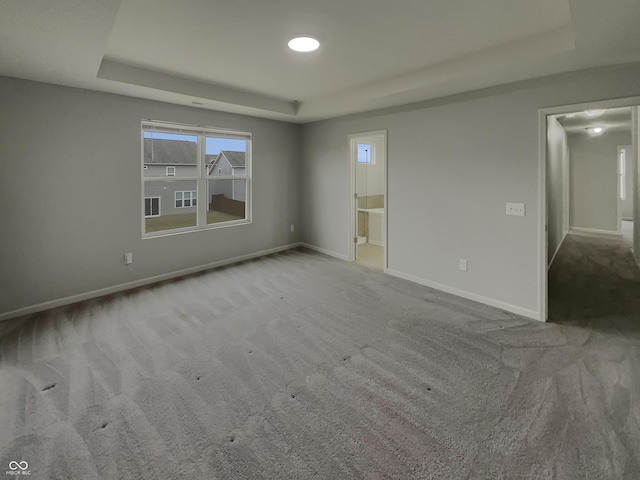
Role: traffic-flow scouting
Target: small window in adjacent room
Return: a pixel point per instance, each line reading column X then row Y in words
column 365, row 153
column 193, row 197
column 151, row 207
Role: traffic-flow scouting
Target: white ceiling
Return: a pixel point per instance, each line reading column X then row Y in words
column 611, row 120
column 231, row 55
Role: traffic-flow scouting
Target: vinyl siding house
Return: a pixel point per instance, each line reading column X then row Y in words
column 229, row 163
column 170, row 160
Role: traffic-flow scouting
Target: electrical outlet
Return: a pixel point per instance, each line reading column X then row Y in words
column 515, row 209
column 128, row 258
column 292, row 228
column 464, row 265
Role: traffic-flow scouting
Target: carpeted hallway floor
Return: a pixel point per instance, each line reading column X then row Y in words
column 298, row 366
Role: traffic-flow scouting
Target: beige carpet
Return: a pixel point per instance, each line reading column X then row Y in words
column 299, row 366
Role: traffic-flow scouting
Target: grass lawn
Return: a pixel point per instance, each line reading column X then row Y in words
column 181, row 220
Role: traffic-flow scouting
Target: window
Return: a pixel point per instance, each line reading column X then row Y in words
column 151, row 207
column 186, row 199
column 622, row 173
column 178, row 170
column 364, row 155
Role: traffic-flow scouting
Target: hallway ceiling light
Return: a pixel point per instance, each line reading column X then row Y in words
column 595, row 112
column 595, row 131
column 303, row 43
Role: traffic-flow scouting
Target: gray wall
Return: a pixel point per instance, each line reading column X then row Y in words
column 557, row 185
column 70, row 199
column 594, row 180
column 453, row 163
column 627, row 204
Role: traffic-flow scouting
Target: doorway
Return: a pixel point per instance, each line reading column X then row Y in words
column 589, row 200
column 368, row 219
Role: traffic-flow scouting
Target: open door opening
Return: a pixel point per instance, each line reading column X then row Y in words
column 368, row 152
column 591, row 200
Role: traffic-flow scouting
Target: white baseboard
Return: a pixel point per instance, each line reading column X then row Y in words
column 375, row 242
column 525, row 312
column 138, row 283
column 594, row 232
column 326, row 252
column 557, row 250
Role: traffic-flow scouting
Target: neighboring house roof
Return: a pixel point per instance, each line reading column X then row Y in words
column 170, row 152
column 235, row 159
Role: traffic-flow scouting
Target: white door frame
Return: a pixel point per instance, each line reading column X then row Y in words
column 543, row 295
column 628, row 151
column 353, row 203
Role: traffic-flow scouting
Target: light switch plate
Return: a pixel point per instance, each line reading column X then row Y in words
column 464, row 264
column 515, row 209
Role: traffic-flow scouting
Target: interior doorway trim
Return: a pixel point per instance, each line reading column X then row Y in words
column 353, row 202
column 543, row 113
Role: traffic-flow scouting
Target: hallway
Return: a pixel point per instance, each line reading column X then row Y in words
column 595, row 282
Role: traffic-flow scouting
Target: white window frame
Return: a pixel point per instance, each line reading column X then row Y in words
column 202, row 178
column 173, row 171
column 145, row 207
column 191, row 198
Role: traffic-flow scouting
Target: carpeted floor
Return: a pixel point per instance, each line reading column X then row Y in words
column 298, row 366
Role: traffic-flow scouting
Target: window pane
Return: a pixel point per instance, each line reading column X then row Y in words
column 225, row 156
column 155, row 206
column 147, row 207
column 166, row 154
column 170, row 216
column 194, row 196
column 364, row 153
column 226, row 200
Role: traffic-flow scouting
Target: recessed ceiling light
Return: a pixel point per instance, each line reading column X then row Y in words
column 595, row 131
column 570, row 115
column 303, row 43
column 595, row 112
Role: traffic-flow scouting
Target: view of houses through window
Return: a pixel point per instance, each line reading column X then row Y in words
column 193, row 178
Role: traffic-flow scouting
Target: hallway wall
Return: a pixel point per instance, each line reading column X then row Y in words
column 557, row 183
column 594, row 180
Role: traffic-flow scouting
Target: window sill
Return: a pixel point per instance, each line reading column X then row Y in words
column 181, row 231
